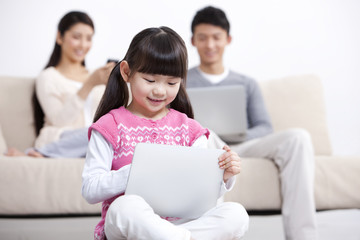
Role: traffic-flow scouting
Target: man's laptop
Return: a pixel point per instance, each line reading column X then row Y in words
column 176, row 181
column 222, row 109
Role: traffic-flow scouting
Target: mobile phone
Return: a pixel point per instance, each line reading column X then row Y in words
column 112, row 60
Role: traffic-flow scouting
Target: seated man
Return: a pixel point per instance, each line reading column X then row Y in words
column 291, row 150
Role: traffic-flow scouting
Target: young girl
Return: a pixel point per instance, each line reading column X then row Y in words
column 155, row 67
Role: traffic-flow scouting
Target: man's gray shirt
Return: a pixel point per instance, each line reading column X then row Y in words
column 258, row 118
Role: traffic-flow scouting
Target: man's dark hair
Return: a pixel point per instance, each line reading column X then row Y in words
column 213, row 16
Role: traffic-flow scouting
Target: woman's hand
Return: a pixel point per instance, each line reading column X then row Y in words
column 99, row 76
column 230, row 162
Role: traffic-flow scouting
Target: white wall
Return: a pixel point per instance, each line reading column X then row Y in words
column 271, row 39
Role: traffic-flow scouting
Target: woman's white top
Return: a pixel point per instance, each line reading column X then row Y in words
column 63, row 108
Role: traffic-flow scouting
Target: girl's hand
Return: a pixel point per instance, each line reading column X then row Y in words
column 230, row 162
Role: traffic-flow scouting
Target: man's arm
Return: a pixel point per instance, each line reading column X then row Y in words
column 258, row 117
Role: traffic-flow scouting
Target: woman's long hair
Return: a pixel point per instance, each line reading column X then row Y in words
column 66, row 22
column 154, row 51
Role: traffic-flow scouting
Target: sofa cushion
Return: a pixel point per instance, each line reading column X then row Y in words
column 42, row 186
column 298, row 101
column 336, row 185
column 16, row 116
column 3, row 146
column 257, row 186
column 337, row 182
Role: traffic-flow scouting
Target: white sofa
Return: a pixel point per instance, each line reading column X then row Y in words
column 51, row 187
column 298, row 102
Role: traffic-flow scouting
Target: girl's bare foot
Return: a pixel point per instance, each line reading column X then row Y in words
column 14, row 152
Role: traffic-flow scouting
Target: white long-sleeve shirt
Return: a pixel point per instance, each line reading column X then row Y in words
column 101, row 183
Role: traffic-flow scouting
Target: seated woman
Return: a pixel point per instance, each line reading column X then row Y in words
column 67, row 94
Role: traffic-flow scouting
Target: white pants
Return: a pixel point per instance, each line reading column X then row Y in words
column 130, row 217
column 292, row 152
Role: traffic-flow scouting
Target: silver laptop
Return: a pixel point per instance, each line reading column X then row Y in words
column 222, row 109
column 176, row 181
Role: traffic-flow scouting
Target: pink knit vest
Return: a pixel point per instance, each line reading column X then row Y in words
column 123, row 130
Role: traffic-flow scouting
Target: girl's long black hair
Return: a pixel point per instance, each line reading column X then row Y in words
column 153, row 51
column 66, row 22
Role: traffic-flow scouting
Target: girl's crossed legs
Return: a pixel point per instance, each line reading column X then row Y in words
column 130, row 217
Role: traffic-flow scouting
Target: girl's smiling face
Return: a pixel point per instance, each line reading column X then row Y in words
column 76, row 42
column 151, row 93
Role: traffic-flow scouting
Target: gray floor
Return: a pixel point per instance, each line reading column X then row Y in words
column 48, row 228
column 333, row 225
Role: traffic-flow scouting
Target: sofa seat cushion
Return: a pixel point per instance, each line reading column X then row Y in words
column 37, row 186
column 257, row 187
column 337, row 184
column 42, row 186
